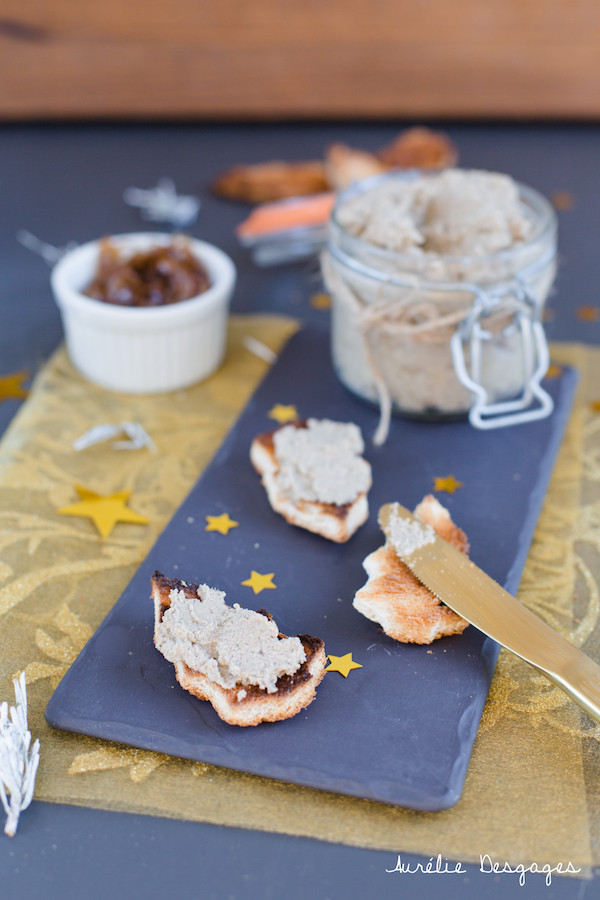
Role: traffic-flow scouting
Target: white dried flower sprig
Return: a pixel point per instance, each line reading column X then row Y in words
column 137, row 434
column 47, row 251
column 18, row 763
column 164, row 204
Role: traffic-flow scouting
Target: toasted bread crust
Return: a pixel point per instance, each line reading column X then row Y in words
column 337, row 523
column 270, row 181
column 294, row 692
column 407, row 610
column 431, row 511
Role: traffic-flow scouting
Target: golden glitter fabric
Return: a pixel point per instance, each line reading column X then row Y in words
column 533, row 788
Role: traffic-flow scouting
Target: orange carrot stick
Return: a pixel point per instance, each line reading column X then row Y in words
column 285, row 214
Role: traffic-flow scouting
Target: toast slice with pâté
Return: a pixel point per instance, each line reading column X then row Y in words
column 244, row 704
column 393, row 597
column 337, row 522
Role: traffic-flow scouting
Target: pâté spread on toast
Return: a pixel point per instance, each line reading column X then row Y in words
column 394, row 598
column 315, row 476
column 233, row 657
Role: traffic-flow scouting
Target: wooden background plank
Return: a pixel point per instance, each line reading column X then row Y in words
column 278, row 58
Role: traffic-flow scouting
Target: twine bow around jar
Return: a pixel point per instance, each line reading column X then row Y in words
column 509, row 309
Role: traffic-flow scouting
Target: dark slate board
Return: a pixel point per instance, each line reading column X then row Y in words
column 401, row 729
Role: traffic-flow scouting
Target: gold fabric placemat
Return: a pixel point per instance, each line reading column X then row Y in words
column 525, row 796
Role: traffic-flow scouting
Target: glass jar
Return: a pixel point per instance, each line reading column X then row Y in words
column 440, row 337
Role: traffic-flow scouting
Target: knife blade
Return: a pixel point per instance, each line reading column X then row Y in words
column 466, row 589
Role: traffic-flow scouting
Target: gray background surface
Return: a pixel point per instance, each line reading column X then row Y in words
column 65, row 183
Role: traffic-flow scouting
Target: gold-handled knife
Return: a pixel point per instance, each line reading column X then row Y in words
column 462, row 586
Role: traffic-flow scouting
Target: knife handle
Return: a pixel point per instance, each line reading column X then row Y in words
column 579, row 677
column 563, row 664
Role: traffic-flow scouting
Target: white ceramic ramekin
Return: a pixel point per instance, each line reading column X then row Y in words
column 143, row 350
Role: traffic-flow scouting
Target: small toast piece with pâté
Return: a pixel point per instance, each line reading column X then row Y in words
column 242, row 703
column 310, row 481
column 406, row 610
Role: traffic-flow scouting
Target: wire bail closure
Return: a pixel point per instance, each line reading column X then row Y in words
column 534, row 403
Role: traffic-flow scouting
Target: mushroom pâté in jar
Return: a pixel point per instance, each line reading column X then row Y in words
column 438, row 283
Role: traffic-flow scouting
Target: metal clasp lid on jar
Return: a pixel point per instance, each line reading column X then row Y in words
column 511, row 298
column 525, row 319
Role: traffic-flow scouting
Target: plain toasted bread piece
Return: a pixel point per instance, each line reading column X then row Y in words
column 346, row 165
column 407, row 610
column 245, row 704
column 337, row 523
column 419, row 148
column 269, row 181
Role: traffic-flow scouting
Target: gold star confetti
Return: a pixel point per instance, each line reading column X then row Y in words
column 105, row 512
column 588, row 313
column 563, row 201
column 320, row 301
column 553, row 371
column 283, row 414
column 448, row 484
column 259, row 582
column 11, row 387
column 548, row 315
column 342, row 664
column 595, row 406
column 223, row 524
